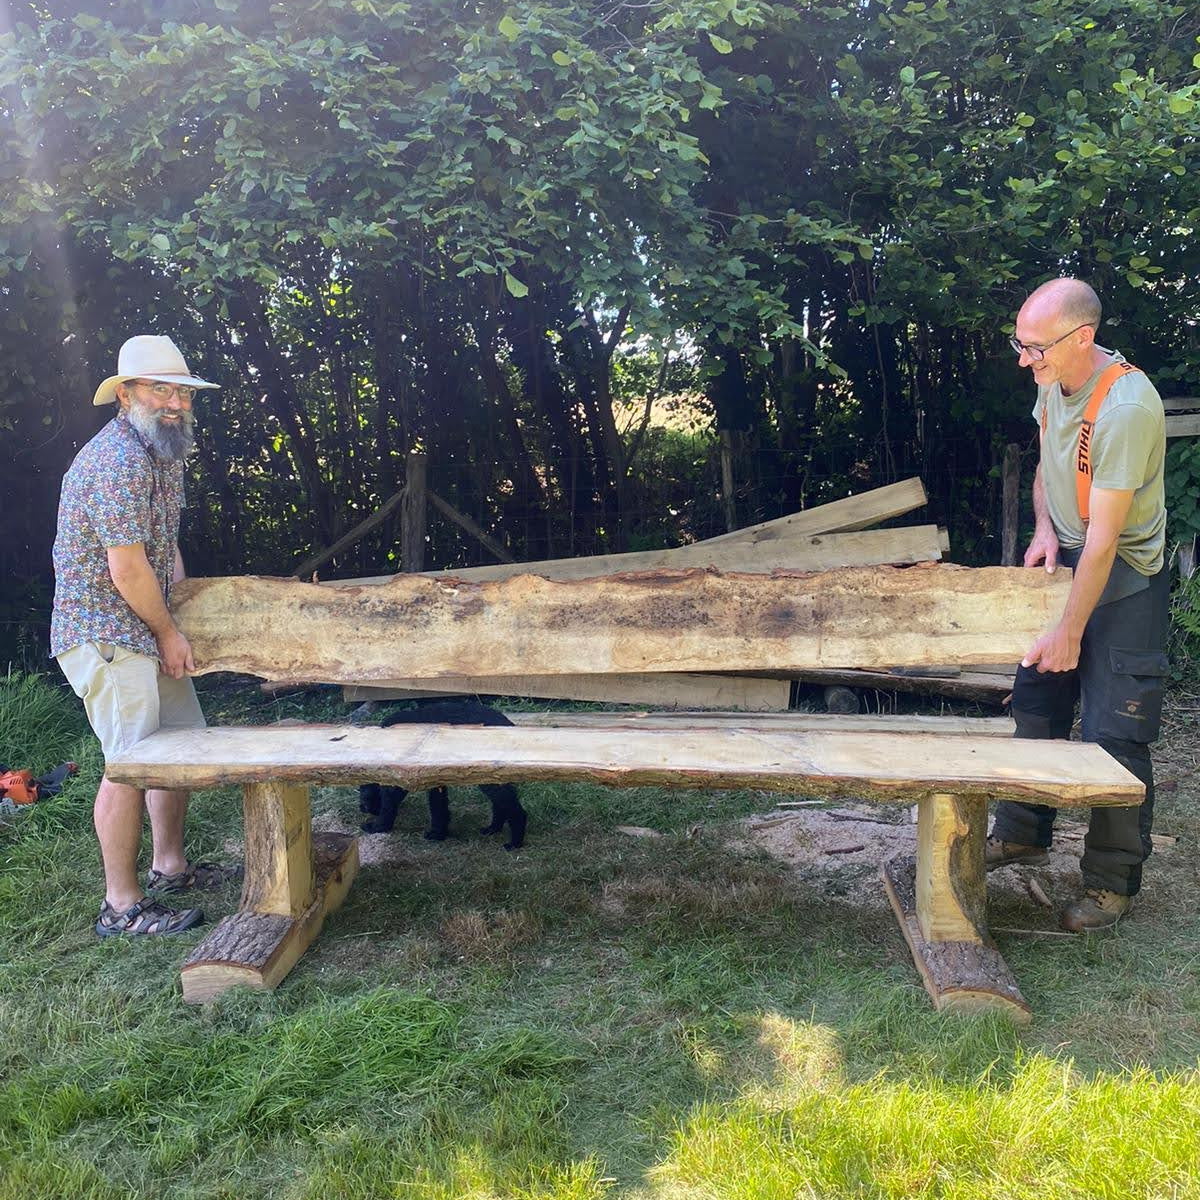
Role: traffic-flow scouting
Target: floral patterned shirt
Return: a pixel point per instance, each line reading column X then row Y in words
column 115, row 493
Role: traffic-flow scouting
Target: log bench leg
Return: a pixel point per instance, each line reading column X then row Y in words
column 940, row 900
column 292, row 881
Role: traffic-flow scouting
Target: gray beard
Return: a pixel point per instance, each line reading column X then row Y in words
column 168, row 440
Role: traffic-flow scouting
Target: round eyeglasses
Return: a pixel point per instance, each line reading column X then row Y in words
column 1037, row 353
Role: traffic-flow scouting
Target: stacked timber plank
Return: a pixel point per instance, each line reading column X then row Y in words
column 987, row 683
column 817, row 539
column 824, row 538
column 1183, row 415
column 772, row 722
column 663, row 689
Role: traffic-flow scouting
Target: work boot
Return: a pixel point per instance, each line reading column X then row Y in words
column 1095, row 909
column 1006, row 854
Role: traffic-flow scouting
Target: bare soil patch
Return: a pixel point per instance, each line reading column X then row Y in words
column 840, row 849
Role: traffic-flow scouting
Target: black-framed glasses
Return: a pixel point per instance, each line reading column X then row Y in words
column 1037, row 353
column 162, row 391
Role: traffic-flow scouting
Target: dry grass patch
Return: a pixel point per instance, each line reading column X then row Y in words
column 700, row 889
column 489, row 937
column 688, row 899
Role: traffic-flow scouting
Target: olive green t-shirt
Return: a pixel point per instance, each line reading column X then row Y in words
column 1127, row 452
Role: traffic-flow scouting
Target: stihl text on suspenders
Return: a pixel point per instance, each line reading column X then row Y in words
column 1083, row 457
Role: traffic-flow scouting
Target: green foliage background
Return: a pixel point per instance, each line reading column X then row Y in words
column 492, row 230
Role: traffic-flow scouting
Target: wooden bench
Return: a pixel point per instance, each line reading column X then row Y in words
column 294, row 879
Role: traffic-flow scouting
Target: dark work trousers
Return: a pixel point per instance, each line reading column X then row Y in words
column 1119, row 685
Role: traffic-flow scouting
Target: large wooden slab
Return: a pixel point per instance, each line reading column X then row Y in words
column 688, row 691
column 885, row 766
column 418, row 628
column 789, row 549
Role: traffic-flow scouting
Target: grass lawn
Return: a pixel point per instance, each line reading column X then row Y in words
column 594, row 1016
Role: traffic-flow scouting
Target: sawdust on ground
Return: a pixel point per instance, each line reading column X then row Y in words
column 374, row 849
column 840, row 851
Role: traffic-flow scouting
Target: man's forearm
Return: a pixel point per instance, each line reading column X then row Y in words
column 1041, row 510
column 139, row 588
column 1091, row 576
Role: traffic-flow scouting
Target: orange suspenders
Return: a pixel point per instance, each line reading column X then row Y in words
column 1083, row 460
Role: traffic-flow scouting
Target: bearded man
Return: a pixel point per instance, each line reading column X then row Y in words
column 116, row 556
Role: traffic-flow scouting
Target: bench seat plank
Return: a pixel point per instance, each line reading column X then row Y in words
column 883, row 766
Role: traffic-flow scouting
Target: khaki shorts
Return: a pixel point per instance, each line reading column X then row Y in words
column 126, row 696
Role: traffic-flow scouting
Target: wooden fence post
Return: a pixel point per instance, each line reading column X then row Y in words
column 1011, row 475
column 1187, row 558
column 412, row 514
column 727, row 480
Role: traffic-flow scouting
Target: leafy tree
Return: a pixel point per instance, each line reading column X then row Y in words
column 480, row 228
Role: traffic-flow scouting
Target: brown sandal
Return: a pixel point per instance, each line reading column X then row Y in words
column 146, row 917
column 194, row 875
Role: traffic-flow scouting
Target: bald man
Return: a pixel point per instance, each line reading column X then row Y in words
column 1108, row 652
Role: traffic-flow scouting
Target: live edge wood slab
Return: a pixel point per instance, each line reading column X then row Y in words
column 294, row 880
column 675, row 621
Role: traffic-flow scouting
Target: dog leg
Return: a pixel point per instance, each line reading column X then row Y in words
column 506, row 810
column 496, row 794
column 389, row 800
column 517, row 820
column 439, row 814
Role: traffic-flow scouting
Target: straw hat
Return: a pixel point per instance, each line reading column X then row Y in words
column 148, row 356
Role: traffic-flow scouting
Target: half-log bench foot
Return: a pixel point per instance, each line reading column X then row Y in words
column 940, row 899
column 292, row 880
